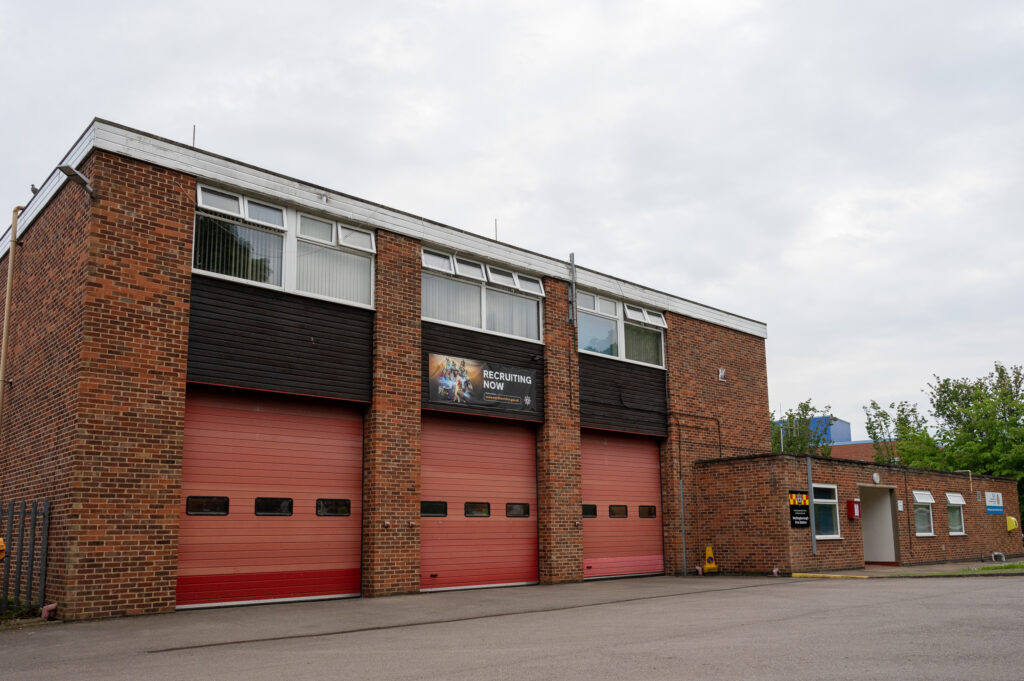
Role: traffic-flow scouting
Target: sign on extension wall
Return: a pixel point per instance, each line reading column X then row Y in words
column 994, row 503
column 457, row 380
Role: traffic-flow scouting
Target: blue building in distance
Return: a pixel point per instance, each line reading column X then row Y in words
column 838, row 431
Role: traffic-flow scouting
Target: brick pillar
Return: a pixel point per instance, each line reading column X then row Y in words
column 391, row 440
column 126, row 476
column 559, row 491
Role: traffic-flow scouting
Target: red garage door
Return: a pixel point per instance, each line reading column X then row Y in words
column 271, row 499
column 621, row 505
column 479, row 491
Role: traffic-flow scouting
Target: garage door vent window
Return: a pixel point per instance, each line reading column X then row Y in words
column 206, row 506
column 618, row 511
column 478, row 509
column 517, row 510
column 273, row 506
column 434, row 509
column 333, row 507
column 589, row 510
column 648, row 512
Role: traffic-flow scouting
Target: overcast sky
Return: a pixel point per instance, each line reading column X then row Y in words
column 850, row 173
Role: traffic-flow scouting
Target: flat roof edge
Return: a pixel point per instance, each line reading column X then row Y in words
column 221, row 170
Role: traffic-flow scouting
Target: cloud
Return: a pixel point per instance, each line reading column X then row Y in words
column 848, row 173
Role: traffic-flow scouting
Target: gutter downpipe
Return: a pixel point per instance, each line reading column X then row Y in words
column 810, row 496
column 11, row 250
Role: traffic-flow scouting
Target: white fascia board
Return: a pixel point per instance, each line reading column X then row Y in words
column 230, row 174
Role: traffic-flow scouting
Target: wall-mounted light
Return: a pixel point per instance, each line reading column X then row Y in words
column 78, row 178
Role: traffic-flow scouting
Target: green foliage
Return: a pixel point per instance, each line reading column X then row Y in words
column 898, row 432
column 979, row 426
column 794, row 434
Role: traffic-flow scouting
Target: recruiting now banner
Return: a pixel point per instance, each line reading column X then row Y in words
column 457, row 380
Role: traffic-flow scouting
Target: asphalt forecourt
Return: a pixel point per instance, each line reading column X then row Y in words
column 651, row 628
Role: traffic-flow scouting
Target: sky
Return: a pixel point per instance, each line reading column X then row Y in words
column 850, row 173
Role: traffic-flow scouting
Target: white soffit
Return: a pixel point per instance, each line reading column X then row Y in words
column 225, row 172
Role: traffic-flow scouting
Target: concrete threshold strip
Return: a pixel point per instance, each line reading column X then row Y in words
column 403, row 625
column 825, row 575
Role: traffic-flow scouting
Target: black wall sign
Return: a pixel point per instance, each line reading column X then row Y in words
column 457, row 380
column 799, row 509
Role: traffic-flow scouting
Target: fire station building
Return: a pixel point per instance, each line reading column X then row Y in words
column 235, row 386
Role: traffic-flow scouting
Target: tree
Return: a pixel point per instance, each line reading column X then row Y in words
column 803, row 430
column 979, row 426
column 901, row 432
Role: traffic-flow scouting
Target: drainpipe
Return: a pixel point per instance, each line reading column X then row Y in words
column 810, row 496
column 11, row 250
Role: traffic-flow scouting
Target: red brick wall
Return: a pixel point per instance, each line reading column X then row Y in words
column 102, row 378
column 391, row 440
column 857, row 451
column 737, row 516
column 746, row 513
column 559, row 491
column 708, row 418
column 131, row 394
column 985, row 533
column 37, row 440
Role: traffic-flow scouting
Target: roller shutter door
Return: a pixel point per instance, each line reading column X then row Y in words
column 478, row 461
column 252, row 452
column 622, row 487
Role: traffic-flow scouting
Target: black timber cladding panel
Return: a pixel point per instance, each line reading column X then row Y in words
column 252, row 337
column 620, row 396
column 487, row 347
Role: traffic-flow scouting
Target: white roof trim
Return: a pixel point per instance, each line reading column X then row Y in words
column 225, row 172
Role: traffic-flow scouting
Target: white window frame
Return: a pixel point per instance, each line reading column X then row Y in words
column 924, row 498
column 290, row 246
column 451, row 261
column 956, row 500
column 621, row 308
column 482, row 276
column 238, row 199
column 484, row 284
column 313, row 239
column 834, row 503
column 284, row 214
column 341, row 227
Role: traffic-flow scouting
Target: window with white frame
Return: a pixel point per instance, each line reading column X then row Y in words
column 457, row 290
column 955, row 509
column 923, row 525
column 621, row 330
column 826, row 512
column 252, row 240
column 235, row 249
column 333, row 260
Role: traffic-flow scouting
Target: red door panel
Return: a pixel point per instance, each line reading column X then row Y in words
column 621, row 470
column 248, row 445
column 471, row 460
